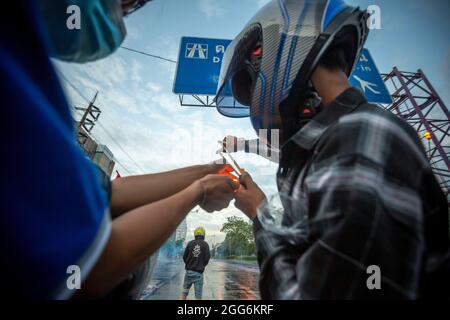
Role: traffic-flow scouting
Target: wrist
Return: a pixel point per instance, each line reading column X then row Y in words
column 252, row 213
column 198, row 192
column 255, row 207
column 212, row 168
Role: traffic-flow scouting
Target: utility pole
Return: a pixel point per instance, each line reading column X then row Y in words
column 91, row 113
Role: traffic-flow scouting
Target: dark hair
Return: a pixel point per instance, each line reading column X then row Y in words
column 334, row 59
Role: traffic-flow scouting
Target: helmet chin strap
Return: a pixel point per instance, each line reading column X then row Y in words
column 297, row 110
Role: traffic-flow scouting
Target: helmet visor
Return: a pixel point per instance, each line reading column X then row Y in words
column 234, row 98
column 239, row 71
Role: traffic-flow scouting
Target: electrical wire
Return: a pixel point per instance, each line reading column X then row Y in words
column 87, row 100
column 121, row 148
column 149, row 54
column 104, row 129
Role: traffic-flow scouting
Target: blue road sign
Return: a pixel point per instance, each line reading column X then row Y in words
column 367, row 77
column 198, row 68
column 199, row 62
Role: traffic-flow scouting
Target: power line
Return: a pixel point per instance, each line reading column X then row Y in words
column 87, row 123
column 121, row 164
column 120, row 147
column 91, row 103
column 149, row 54
column 104, row 129
column 117, row 160
column 72, row 86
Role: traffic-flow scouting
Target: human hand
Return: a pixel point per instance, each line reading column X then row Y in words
column 232, row 143
column 249, row 196
column 217, row 192
column 215, row 166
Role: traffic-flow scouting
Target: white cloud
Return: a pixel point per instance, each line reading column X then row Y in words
column 261, row 3
column 133, row 33
column 136, row 68
column 154, row 86
column 210, row 8
column 143, row 116
column 212, row 222
column 167, row 101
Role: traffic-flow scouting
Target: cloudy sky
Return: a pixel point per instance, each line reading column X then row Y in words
column 148, row 131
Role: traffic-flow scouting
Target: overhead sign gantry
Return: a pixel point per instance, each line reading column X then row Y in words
column 198, row 69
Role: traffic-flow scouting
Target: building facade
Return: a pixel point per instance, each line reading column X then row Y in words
column 104, row 158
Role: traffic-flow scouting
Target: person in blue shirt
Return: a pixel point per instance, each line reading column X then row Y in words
column 55, row 216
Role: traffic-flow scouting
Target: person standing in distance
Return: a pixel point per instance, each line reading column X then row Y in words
column 196, row 257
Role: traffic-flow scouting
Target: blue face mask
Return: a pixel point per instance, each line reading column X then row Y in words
column 101, row 28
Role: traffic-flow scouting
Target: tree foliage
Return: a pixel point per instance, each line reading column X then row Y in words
column 239, row 237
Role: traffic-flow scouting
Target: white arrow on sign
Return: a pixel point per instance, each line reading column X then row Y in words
column 366, row 84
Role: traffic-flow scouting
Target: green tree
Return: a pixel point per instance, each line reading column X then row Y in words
column 238, row 237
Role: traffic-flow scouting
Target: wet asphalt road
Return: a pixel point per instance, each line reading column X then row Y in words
column 222, row 280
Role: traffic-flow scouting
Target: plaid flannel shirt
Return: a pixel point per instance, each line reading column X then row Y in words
column 361, row 177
